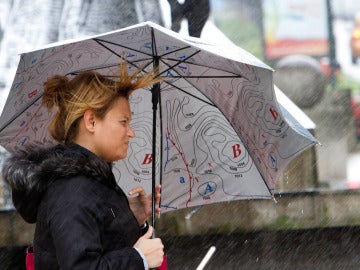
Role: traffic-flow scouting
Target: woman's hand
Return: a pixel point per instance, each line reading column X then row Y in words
column 152, row 249
column 141, row 205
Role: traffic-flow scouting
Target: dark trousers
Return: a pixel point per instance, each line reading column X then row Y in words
column 195, row 11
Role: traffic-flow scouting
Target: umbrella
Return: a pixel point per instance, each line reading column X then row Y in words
column 210, row 131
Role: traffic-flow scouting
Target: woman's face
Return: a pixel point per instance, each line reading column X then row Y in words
column 113, row 132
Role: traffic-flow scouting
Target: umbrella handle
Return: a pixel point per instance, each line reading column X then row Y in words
column 155, row 92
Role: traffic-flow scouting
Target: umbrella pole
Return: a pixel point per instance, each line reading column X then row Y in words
column 155, row 100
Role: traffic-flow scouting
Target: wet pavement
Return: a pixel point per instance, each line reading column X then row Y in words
column 312, row 249
column 328, row 248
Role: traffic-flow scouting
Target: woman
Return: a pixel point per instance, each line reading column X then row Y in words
column 83, row 218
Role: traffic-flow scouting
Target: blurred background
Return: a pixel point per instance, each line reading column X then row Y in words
column 314, row 48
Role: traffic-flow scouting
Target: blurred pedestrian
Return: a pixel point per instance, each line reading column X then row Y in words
column 83, row 218
column 196, row 12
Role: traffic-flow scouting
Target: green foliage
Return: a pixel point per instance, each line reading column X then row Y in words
column 282, row 223
column 345, row 82
column 243, row 33
column 325, row 217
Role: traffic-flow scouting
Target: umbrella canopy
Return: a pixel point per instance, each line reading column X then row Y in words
column 218, row 133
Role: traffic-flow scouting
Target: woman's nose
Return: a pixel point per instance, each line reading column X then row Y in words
column 131, row 133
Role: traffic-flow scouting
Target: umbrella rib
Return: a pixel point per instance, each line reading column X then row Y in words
column 101, row 41
column 235, row 75
column 74, row 72
column 186, row 92
column 19, row 113
column 187, row 62
column 177, row 50
column 198, row 65
column 178, row 62
column 205, row 77
column 161, row 58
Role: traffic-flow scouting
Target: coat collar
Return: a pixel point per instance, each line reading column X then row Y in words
column 29, row 173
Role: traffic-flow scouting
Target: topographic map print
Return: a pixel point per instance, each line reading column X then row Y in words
column 221, row 135
column 203, row 159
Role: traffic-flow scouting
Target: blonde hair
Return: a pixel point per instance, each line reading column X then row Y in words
column 88, row 90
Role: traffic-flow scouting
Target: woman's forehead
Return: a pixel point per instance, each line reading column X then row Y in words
column 121, row 106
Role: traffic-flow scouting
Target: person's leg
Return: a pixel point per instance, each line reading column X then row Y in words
column 197, row 12
column 177, row 14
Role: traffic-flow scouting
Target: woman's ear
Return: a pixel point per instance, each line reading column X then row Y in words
column 89, row 120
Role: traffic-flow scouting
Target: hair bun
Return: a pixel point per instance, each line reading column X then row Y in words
column 55, row 90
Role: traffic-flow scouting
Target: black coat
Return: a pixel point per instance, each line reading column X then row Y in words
column 83, row 219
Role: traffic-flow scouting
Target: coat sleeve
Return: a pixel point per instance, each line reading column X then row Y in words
column 76, row 223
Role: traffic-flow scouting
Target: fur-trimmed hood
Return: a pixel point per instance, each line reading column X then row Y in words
column 29, row 173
